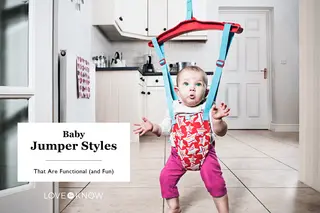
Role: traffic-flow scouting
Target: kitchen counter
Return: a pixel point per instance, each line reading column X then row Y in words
column 118, row 69
column 138, row 69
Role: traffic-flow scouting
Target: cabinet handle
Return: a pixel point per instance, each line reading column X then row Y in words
column 146, row 29
column 120, row 18
column 148, row 93
column 142, row 79
column 143, row 92
column 157, row 80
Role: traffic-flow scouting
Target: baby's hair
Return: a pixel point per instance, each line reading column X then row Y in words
column 195, row 69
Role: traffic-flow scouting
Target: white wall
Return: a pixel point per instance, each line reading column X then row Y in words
column 76, row 32
column 309, row 93
column 285, row 77
column 100, row 44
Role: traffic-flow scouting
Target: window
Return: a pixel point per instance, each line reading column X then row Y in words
column 14, row 84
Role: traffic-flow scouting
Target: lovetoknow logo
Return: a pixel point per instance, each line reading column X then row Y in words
column 73, row 195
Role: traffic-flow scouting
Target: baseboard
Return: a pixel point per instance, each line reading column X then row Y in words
column 284, row 127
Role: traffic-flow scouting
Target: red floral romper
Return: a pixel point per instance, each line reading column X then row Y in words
column 192, row 138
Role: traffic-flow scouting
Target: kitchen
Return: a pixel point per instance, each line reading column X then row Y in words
column 269, row 91
column 265, row 65
column 261, row 107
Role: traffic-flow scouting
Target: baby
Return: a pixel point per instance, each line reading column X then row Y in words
column 191, row 138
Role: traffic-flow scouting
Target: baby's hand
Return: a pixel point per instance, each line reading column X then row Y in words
column 144, row 127
column 219, row 113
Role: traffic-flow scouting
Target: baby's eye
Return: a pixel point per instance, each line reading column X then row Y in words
column 198, row 84
column 185, row 84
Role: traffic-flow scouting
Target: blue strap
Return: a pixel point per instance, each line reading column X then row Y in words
column 189, row 10
column 224, row 48
column 168, row 84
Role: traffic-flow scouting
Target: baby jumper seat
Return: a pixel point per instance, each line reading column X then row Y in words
column 192, row 136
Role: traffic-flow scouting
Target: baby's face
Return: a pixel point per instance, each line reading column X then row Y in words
column 191, row 88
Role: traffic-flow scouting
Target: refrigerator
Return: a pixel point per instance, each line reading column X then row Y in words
column 76, row 88
column 76, row 98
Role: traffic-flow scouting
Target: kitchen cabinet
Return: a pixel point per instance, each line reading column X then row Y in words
column 177, row 12
column 155, row 100
column 157, row 17
column 119, row 98
column 132, row 18
column 145, row 19
column 121, row 18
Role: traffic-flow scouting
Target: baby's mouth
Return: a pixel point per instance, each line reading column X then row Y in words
column 192, row 96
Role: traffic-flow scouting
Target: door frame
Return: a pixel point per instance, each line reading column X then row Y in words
column 269, row 12
column 38, row 92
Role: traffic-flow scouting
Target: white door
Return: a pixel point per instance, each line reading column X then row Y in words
column 244, row 85
column 25, row 95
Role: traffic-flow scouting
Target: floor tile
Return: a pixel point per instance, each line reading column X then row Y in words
column 268, row 146
column 223, row 167
column 266, row 162
column 277, row 152
column 285, row 138
column 292, row 162
column 269, row 178
column 73, row 184
column 147, row 150
column 139, row 178
column 198, row 200
column 289, row 200
column 235, row 152
column 151, row 139
column 64, row 200
column 254, row 164
column 119, row 200
column 147, row 164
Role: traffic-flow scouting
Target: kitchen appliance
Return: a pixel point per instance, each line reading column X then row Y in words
column 183, row 64
column 117, row 61
column 72, row 107
column 148, row 67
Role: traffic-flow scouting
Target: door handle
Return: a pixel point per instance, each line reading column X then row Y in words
column 265, row 73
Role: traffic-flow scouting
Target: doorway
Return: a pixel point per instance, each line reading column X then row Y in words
column 245, row 85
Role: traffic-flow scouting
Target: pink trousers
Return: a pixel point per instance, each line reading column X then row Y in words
column 210, row 172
